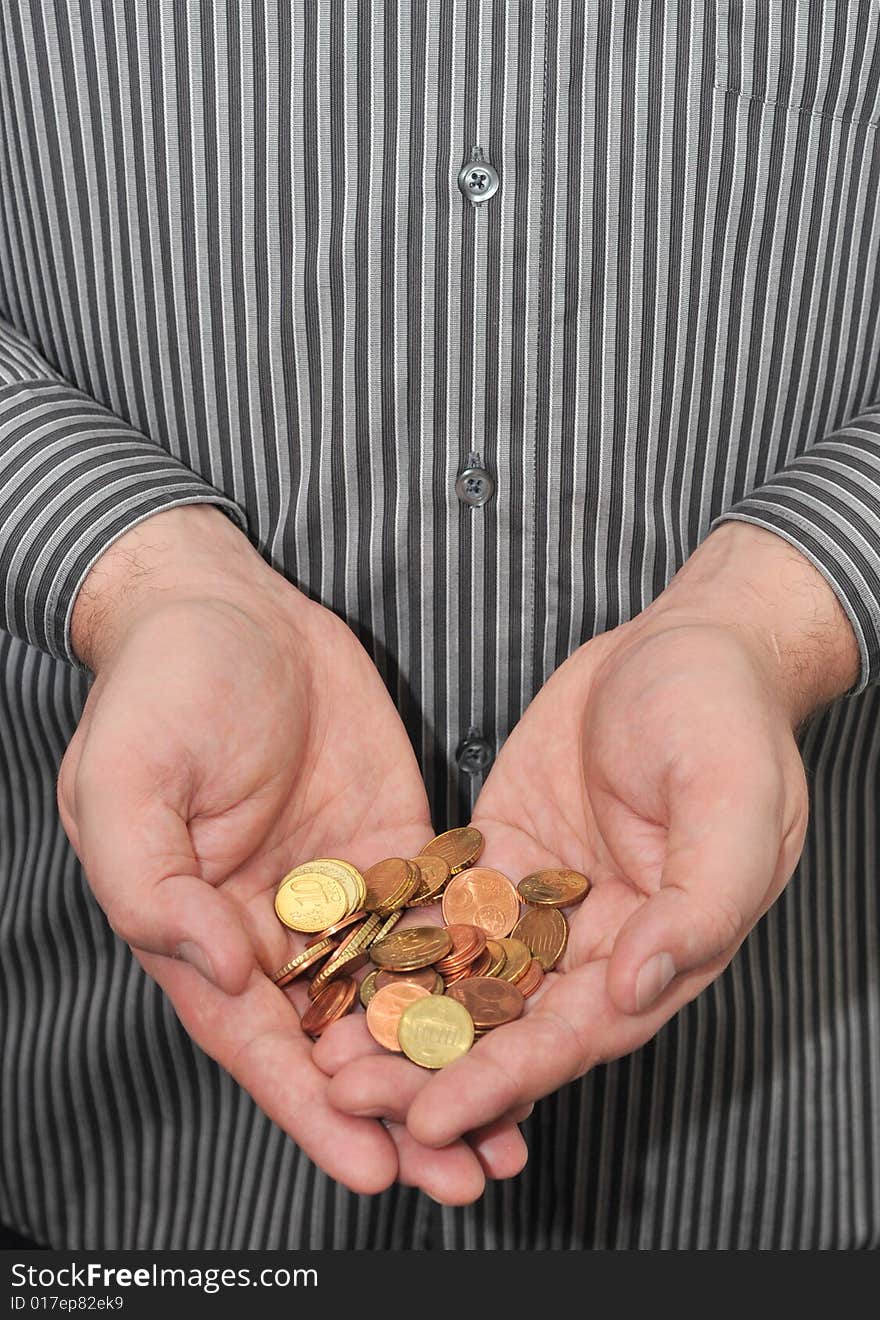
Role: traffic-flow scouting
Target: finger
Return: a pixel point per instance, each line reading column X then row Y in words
column 256, row 1036
column 138, row 857
column 721, row 862
column 377, row 1086
column 500, row 1147
column 574, row 1027
column 453, row 1176
column 384, row 1086
column 346, row 1041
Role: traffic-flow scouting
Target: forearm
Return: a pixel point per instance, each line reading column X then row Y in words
column 754, row 581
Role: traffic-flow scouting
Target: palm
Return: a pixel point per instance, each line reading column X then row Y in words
column 669, row 780
column 282, row 750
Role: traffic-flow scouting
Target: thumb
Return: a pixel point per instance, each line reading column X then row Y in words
column 138, row 857
column 720, row 868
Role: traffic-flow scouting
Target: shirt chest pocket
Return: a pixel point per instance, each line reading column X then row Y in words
column 818, row 57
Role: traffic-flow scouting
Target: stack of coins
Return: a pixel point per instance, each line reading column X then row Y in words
column 432, row 990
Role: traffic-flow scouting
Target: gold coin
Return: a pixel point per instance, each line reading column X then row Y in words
column 343, row 965
column 310, row 902
column 435, row 1031
column 554, row 888
column 405, row 950
column 434, row 873
column 387, row 925
column 302, row 962
column 368, row 986
column 544, row 931
column 517, row 957
column 499, row 958
column 348, row 876
column 458, row 848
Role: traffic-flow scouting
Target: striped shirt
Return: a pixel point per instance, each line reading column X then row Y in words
column 236, row 266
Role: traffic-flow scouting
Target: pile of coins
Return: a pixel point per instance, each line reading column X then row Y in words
column 432, row 990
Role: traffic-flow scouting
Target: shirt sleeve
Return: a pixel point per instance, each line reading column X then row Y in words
column 826, row 502
column 73, row 478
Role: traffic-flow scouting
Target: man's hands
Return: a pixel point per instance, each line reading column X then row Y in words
column 660, row 760
column 234, row 729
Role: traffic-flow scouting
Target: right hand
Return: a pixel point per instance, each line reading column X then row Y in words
column 234, row 729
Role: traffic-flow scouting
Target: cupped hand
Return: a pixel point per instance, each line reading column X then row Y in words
column 236, row 728
column 660, row 761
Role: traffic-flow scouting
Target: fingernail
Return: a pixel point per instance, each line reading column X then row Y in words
column 196, row 957
column 653, row 979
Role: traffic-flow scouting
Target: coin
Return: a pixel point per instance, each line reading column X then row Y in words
column 544, row 931
column 468, row 942
column 417, row 946
column 310, row 901
column 481, row 897
column 516, row 959
column 435, row 1031
column 499, row 957
column 390, row 884
column 530, row 979
column 332, row 1003
column 302, row 962
column 458, row 848
column 351, row 961
column 559, row 888
column 368, row 986
column 434, row 873
column 387, row 925
column 489, row 1001
column 348, row 876
column 426, row 977
column 342, row 925
column 385, row 1008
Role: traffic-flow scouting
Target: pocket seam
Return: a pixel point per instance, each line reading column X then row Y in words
column 795, row 109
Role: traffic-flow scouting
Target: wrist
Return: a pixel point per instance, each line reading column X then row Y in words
column 761, row 587
column 189, row 552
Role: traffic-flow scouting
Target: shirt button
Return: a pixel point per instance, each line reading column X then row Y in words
column 474, row 486
column 474, row 753
column 478, row 178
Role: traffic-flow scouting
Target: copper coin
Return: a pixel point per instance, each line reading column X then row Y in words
column 332, row 1003
column 434, row 872
column 390, row 884
column 530, row 979
column 480, row 966
column 468, row 942
column 489, row 1001
column 405, row 950
column 342, row 925
column 544, row 931
column 482, row 897
column 426, row 977
column 302, row 962
column 554, row 888
column 385, row 1008
column 348, row 940
column 517, row 957
column 459, row 848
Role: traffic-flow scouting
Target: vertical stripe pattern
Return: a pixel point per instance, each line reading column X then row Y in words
column 236, row 267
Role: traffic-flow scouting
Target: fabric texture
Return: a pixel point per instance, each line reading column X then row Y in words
column 236, row 266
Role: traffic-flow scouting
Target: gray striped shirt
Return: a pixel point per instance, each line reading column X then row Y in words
column 236, row 266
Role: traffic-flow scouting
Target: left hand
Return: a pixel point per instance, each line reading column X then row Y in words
column 660, row 760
